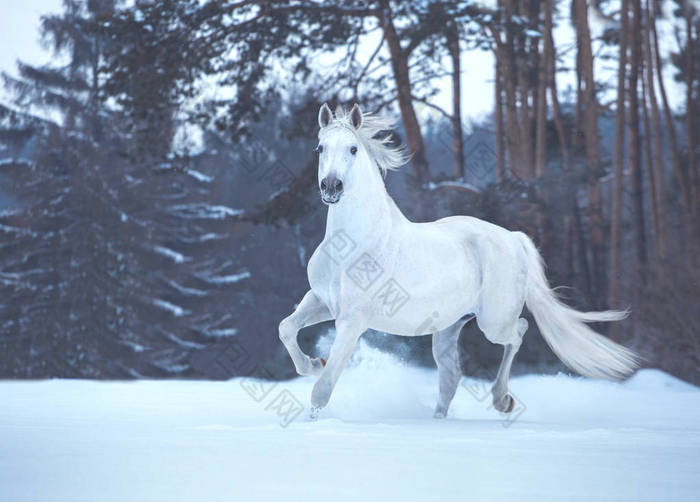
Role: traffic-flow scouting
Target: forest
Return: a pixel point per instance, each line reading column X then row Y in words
column 158, row 190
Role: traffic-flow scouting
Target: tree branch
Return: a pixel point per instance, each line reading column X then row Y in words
column 431, row 105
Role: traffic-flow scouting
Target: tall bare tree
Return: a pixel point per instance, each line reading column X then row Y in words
column 615, row 274
column 656, row 159
column 542, row 83
column 399, row 64
column 457, row 141
column 634, row 137
column 498, row 122
column 650, row 174
column 690, row 77
column 517, row 36
column 589, row 106
column 679, row 171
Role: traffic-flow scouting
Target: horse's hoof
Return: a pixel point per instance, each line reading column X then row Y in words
column 505, row 404
column 511, row 405
column 323, row 361
column 439, row 414
column 313, row 414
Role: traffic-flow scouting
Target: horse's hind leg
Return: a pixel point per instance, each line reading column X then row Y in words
column 446, row 354
column 503, row 401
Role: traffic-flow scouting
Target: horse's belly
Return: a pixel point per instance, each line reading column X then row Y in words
column 411, row 287
column 425, row 305
column 416, row 318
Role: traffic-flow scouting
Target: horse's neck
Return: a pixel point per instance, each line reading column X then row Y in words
column 367, row 218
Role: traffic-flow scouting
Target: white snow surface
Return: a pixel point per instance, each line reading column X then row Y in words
column 575, row 439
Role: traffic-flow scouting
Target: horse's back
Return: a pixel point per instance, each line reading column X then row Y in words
column 472, row 225
column 486, row 239
column 501, row 257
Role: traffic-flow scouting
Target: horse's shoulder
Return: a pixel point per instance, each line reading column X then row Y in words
column 317, row 257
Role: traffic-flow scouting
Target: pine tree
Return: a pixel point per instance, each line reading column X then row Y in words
column 109, row 269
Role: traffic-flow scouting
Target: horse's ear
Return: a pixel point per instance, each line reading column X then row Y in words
column 356, row 116
column 324, row 116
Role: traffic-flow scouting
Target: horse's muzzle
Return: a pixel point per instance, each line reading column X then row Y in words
column 331, row 189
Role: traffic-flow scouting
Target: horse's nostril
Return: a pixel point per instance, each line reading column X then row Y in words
column 338, row 185
column 324, row 184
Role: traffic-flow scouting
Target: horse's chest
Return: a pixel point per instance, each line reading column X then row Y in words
column 324, row 276
column 344, row 281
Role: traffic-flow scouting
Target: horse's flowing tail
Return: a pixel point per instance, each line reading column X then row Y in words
column 565, row 330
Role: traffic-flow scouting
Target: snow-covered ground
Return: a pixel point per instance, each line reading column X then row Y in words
column 571, row 439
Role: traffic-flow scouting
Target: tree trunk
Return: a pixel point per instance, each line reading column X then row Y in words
column 533, row 70
column 569, row 234
column 457, row 141
column 592, row 142
column 651, row 180
column 525, row 167
column 690, row 112
column 399, row 64
column 582, row 252
column 525, row 128
column 554, row 97
column 508, row 79
column 543, row 80
column 498, row 121
column 544, row 217
column 576, row 132
column 634, row 141
column 657, row 159
column 615, row 275
column 681, row 176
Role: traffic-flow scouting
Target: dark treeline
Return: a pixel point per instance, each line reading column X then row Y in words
column 160, row 196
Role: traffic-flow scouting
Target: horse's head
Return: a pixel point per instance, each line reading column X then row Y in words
column 342, row 156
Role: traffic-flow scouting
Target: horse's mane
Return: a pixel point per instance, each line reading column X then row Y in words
column 375, row 135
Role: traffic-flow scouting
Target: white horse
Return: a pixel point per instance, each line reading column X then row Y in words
column 376, row 269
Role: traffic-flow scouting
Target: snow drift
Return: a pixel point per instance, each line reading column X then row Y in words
column 572, row 439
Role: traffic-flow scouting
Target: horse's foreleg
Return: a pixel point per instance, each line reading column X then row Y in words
column 347, row 334
column 309, row 311
column 503, row 401
column 446, row 354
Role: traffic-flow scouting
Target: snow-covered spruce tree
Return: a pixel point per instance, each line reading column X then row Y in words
column 110, row 260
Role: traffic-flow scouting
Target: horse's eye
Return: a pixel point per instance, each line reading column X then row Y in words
column 318, row 149
column 353, row 150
